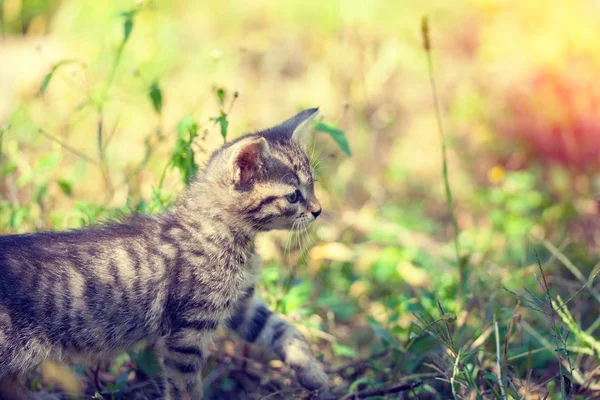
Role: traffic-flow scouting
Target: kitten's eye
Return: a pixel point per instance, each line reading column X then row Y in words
column 293, row 197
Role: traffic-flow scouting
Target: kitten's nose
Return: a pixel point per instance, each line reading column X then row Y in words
column 317, row 213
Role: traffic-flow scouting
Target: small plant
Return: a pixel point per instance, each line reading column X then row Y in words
column 222, row 118
column 461, row 261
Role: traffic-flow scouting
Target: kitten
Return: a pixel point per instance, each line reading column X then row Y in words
column 171, row 279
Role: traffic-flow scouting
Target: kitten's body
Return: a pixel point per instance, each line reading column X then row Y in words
column 170, row 279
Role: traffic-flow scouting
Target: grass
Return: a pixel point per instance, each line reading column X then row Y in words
column 395, row 298
column 438, row 117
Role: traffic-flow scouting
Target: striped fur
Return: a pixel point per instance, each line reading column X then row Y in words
column 169, row 279
column 257, row 324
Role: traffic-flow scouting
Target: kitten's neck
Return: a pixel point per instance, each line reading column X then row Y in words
column 198, row 208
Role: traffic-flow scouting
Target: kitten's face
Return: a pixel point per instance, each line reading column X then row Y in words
column 271, row 176
column 286, row 198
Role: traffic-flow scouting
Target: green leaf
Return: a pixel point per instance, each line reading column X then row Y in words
column 118, row 363
column 224, row 125
column 297, row 296
column 227, row 385
column 122, row 379
column 50, row 74
column 40, row 193
column 17, row 217
column 147, row 362
column 490, row 377
column 355, row 385
column 66, row 187
column 46, row 82
column 270, row 274
column 512, row 393
column 156, row 97
column 143, row 207
column 8, row 169
column 187, row 125
column 344, row 351
column 383, row 334
column 160, row 200
column 338, row 136
column 47, row 162
column 182, row 157
column 127, row 27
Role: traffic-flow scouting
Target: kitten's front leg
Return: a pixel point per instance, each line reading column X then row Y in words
column 253, row 321
column 183, row 355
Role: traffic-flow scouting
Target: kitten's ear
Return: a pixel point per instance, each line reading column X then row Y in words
column 296, row 128
column 305, row 122
column 247, row 159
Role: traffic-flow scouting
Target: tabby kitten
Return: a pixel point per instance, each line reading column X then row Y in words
column 171, row 279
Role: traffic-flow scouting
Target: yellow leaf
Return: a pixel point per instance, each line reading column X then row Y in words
column 333, row 251
column 414, row 276
column 62, row 377
column 357, row 289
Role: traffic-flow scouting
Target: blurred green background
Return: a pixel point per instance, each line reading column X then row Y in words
column 106, row 108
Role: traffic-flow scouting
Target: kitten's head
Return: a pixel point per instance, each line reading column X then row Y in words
column 265, row 179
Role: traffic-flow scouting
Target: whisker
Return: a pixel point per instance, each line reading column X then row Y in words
column 305, row 244
column 301, row 253
column 297, row 239
column 310, row 238
column 288, row 243
column 319, row 157
column 317, row 164
column 325, row 218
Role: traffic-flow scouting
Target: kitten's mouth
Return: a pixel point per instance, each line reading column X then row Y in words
column 302, row 223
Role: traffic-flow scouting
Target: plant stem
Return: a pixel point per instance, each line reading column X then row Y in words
column 454, row 374
column 498, row 359
column 449, row 198
column 67, row 147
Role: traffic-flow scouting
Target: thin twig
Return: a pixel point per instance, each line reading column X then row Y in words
column 499, row 359
column 67, row 147
column 236, row 94
column 454, row 375
column 111, row 135
column 100, row 144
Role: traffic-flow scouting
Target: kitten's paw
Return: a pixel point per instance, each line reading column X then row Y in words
column 312, row 376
